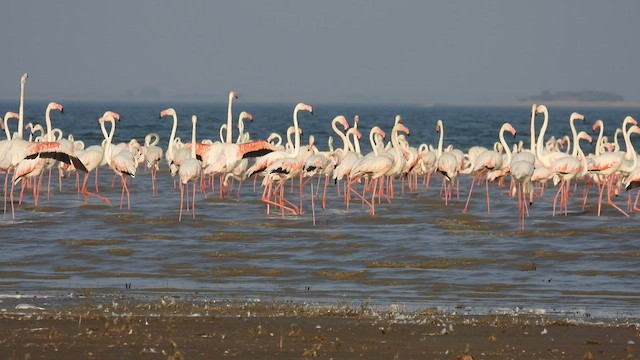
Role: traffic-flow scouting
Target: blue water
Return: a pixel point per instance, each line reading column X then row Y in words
column 415, row 251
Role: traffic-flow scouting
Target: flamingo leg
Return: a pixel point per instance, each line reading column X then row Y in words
column 181, row 201
column 96, row 182
column 466, row 206
column 610, row 200
column 87, row 193
column 193, row 201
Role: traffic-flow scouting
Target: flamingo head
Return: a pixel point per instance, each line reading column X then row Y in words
column 355, row 120
column 112, row 114
column 510, row 129
column 272, row 137
column 630, row 120
column 302, row 106
column 585, row 136
column 439, row 126
column 169, row 111
column 24, row 78
column 233, row 95
column 357, row 133
column 634, row 129
column 246, row 115
column 312, row 142
column 194, row 119
column 400, row 127
column 398, row 120
column 541, row 109
column 576, row 116
column 342, row 121
column 598, row 124
column 55, row 106
column 377, row 130
column 10, row 114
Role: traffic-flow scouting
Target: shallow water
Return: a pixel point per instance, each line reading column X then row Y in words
column 415, row 251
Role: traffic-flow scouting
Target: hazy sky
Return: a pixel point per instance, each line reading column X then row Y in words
column 318, row 51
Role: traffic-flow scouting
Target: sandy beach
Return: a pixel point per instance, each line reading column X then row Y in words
column 171, row 328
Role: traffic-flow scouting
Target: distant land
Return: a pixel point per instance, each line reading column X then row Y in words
column 586, row 96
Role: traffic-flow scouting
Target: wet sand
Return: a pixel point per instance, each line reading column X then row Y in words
column 171, row 328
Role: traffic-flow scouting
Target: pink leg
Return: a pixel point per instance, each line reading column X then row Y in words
column 181, row 201
column 193, row 201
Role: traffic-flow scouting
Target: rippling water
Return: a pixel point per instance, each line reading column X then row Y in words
column 415, row 251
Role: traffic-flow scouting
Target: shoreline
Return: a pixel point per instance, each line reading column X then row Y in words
column 176, row 328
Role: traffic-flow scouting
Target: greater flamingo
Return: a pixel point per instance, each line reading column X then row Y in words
column 189, row 170
column 122, row 163
column 490, row 160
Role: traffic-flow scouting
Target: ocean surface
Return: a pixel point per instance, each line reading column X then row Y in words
column 416, row 252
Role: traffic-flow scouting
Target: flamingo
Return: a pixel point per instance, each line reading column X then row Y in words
column 122, row 163
column 92, row 157
column 34, row 155
column 374, row 166
column 566, row 168
column 349, row 158
column 521, row 172
column 285, row 167
column 189, row 170
column 447, row 165
column 171, row 146
column 490, row 160
column 607, row 164
column 152, row 155
column 5, row 164
column 324, row 162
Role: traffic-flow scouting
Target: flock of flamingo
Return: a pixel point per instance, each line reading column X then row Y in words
column 523, row 172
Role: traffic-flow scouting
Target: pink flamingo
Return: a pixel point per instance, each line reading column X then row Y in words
column 284, row 168
column 189, row 170
column 152, row 155
column 92, row 157
column 447, row 165
column 566, row 168
column 521, row 172
column 5, row 163
column 323, row 163
column 607, row 164
column 377, row 165
column 122, row 163
column 34, row 155
column 490, row 160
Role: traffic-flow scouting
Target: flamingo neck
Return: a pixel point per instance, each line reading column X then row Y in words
column 296, row 134
column 574, row 133
column 631, row 153
column 109, row 138
column 5, row 122
column 372, row 140
column 193, row 138
column 441, row 139
column 229, row 120
column 240, row 137
column 47, row 118
column 582, row 158
column 533, row 131
column 507, row 150
column 397, row 158
column 21, row 111
column 543, row 130
column 356, row 143
column 172, row 137
column 599, row 141
column 345, row 141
